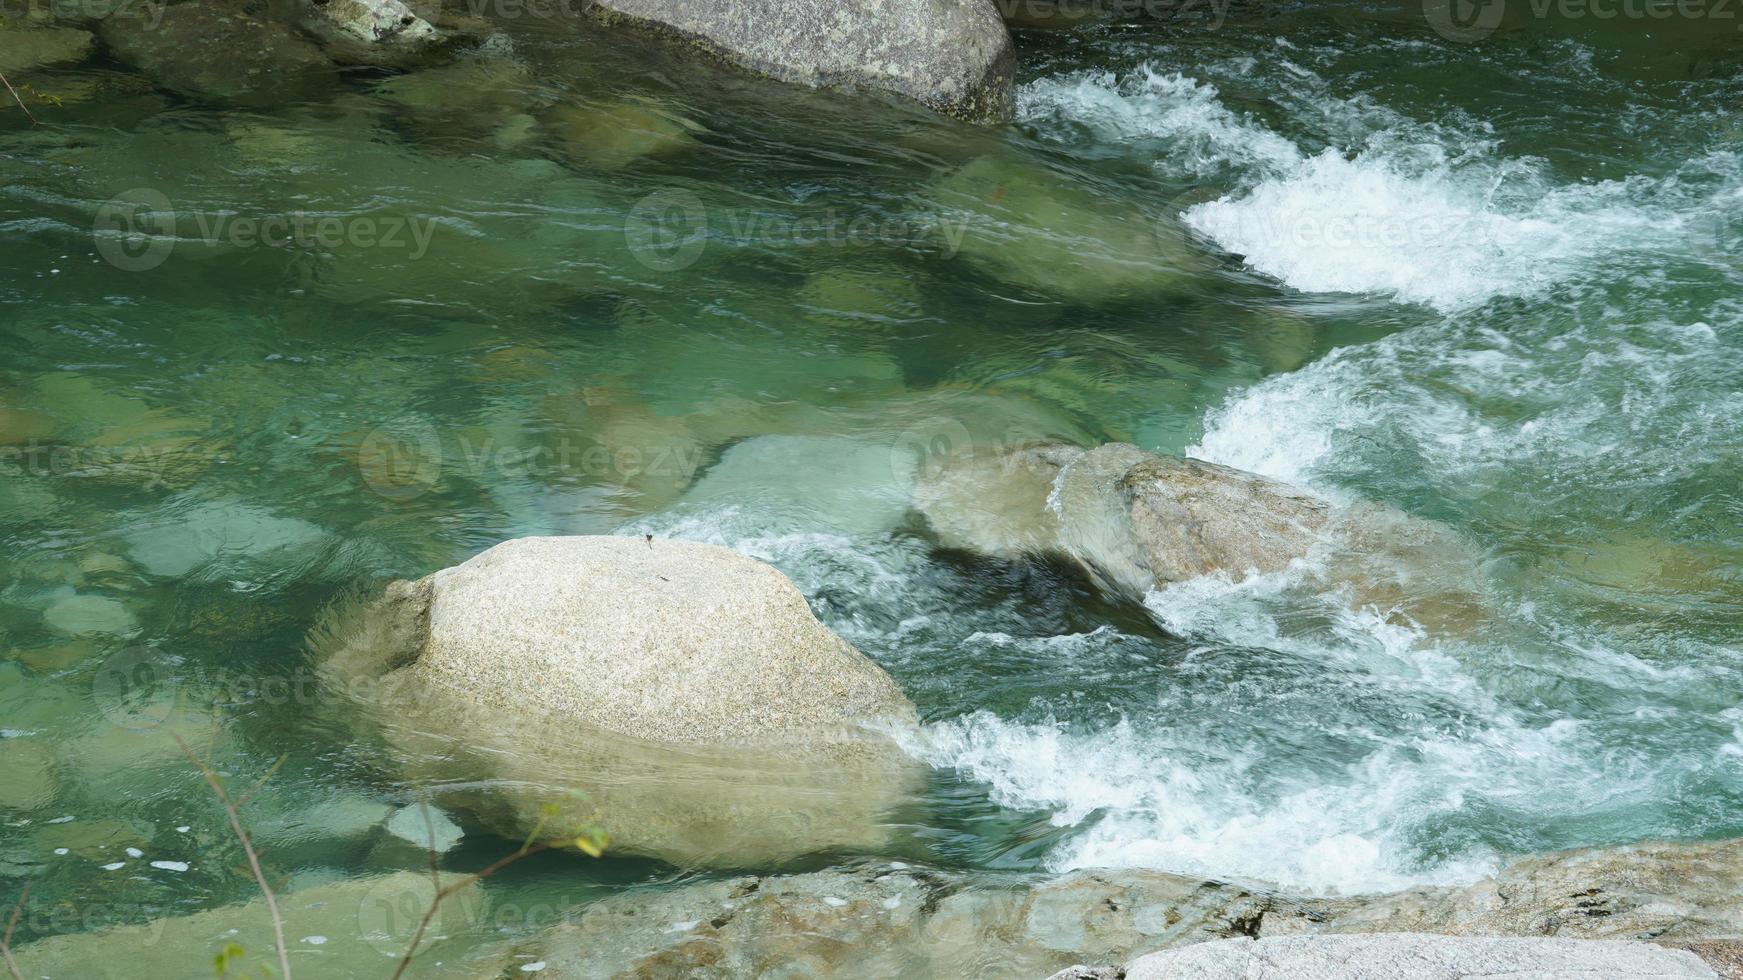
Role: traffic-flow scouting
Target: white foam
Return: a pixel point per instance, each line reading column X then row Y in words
column 1417, row 212
column 1202, row 134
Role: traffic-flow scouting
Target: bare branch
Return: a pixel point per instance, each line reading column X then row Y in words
column 21, row 105
column 436, row 903
column 6, row 940
column 248, row 849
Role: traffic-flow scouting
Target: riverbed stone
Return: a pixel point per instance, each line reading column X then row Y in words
column 612, row 136
column 473, row 97
column 954, row 56
column 209, row 49
column 853, row 486
column 90, row 615
column 218, row 534
column 678, row 696
column 353, row 928
column 27, row 777
column 1418, row 957
column 25, row 50
column 1016, row 222
column 20, row 427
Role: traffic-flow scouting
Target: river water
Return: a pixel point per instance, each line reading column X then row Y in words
column 1494, row 283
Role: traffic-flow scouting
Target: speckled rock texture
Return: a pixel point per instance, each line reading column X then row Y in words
column 894, row 920
column 671, row 641
column 1417, row 957
column 679, row 695
column 1135, row 520
column 952, row 55
column 365, row 32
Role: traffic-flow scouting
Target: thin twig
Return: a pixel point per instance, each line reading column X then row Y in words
column 248, row 849
column 242, row 800
column 436, row 903
column 6, row 940
column 16, row 98
column 430, row 836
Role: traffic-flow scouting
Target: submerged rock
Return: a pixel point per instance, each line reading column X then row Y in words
column 1418, row 957
column 1018, row 223
column 353, row 928
column 25, row 50
column 950, row 55
column 610, row 137
column 848, row 485
column 221, row 536
column 679, row 696
column 27, row 778
column 471, row 97
column 215, row 50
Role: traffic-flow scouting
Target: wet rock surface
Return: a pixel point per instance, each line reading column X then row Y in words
column 680, row 696
column 951, row 55
column 884, row 920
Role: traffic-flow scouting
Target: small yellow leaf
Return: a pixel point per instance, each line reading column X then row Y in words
column 590, row 847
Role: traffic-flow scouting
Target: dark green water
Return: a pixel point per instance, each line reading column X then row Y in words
column 1494, row 284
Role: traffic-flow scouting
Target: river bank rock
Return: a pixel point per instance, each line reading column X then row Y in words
column 892, row 919
column 1418, row 957
column 888, row 920
column 679, row 696
column 954, row 56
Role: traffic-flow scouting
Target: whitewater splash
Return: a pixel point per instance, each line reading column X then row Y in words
column 1416, row 212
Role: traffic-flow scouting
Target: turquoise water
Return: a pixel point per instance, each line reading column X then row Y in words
column 1493, row 284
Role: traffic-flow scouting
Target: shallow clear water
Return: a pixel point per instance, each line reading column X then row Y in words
column 1495, row 285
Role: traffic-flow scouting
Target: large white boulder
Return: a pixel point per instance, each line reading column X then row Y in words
column 678, row 695
column 951, row 55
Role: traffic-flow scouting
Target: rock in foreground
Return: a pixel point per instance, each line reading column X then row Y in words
column 679, row 695
column 1418, row 957
column 951, row 55
column 890, row 920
